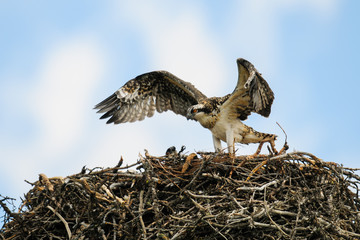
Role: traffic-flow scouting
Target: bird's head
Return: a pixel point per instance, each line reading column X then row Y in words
column 195, row 112
column 204, row 112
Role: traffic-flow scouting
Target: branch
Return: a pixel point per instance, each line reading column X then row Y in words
column 62, row 219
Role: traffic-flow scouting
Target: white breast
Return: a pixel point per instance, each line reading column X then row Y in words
column 224, row 125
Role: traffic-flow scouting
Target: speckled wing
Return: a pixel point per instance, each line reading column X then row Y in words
column 141, row 96
column 252, row 93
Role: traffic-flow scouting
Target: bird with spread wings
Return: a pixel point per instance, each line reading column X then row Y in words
column 161, row 91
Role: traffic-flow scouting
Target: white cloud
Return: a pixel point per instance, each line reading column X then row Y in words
column 185, row 47
column 60, row 100
column 179, row 42
column 126, row 140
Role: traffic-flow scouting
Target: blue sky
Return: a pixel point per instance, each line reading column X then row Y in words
column 59, row 58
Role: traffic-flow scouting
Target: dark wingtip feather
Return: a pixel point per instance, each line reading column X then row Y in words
column 265, row 112
column 111, row 120
column 109, row 107
column 267, row 109
column 106, row 102
column 106, row 115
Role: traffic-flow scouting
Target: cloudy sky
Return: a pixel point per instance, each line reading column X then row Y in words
column 59, row 58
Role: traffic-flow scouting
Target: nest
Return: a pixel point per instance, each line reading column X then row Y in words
column 196, row 196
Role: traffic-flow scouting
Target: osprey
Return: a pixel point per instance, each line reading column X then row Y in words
column 223, row 116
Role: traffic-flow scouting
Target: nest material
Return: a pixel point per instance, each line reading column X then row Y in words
column 199, row 196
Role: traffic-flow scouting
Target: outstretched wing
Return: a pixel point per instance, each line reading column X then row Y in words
column 141, row 96
column 252, row 93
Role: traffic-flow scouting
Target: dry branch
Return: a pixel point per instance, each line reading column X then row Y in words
column 199, row 196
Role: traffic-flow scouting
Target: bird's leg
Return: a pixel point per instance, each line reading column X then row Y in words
column 258, row 150
column 284, row 148
column 217, row 144
column 230, row 140
column 272, row 144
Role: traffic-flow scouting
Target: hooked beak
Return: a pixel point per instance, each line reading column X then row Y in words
column 189, row 115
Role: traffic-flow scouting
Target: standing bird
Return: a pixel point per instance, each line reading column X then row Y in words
column 223, row 116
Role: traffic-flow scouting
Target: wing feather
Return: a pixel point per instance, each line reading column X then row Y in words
column 118, row 115
column 144, row 110
column 152, row 107
column 141, row 96
column 252, row 93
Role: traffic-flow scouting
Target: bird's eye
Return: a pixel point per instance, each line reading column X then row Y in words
column 194, row 110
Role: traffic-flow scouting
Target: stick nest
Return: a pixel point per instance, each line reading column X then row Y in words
column 196, row 196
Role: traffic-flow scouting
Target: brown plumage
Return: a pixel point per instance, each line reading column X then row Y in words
column 141, row 96
column 251, row 94
column 162, row 91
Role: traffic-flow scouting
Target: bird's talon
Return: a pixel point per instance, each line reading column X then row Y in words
column 284, row 149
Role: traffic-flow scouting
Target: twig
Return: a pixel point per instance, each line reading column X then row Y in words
column 258, row 188
column 179, row 233
column 203, row 196
column 62, row 219
column 217, row 231
column 16, row 216
column 196, row 175
column 283, row 132
column 271, row 220
column 141, row 208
